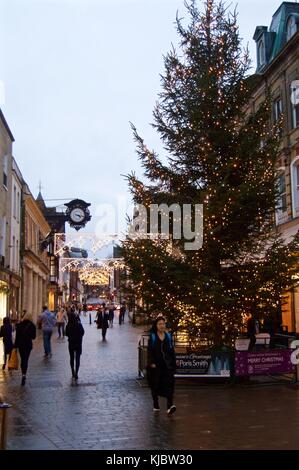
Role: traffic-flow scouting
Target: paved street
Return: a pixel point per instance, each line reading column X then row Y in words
column 109, row 410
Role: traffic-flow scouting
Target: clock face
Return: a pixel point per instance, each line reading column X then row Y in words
column 77, row 215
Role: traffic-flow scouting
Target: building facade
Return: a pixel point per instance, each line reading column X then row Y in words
column 6, row 143
column 35, row 259
column 15, row 240
column 278, row 69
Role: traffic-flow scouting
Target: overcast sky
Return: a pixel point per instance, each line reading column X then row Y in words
column 75, row 72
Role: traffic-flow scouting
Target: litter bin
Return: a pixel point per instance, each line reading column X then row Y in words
column 3, row 409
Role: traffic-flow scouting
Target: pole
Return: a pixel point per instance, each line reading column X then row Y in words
column 3, row 408
column 90, row 318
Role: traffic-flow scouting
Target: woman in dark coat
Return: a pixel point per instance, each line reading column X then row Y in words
column 25, row 333
column 6, row 334
column 102, row 320
column 161, row 365
column 75, row 332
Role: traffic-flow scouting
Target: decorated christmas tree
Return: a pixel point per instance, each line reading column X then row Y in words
column 223, row 156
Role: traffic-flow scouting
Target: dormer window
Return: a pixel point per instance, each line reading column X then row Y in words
column 261, row 53
column 291, row 27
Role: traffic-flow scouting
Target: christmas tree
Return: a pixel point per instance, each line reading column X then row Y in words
column 224, row 157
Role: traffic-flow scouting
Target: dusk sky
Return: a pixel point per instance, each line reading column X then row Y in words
column 75, row 72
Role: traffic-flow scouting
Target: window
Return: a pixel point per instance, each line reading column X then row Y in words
column 291, row 27
column 261, row 53
column 13, row 253
column 18, row 207
column 295, row 103
column 17, row 257
column 2, row 236
column 277, row 109
column 5, row 171
column 282, row 205
column 295, row 186
column 15, row 202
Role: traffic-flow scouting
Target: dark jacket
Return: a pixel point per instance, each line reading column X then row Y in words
column 102, row 319
column 161, row 353
column 6, row 334
column 75, row 333
column 25, row 333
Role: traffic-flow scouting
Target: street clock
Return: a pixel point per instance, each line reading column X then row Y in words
column 77, row 213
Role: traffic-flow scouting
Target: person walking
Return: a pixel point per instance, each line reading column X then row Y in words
column 75, row 332
column 6, row 334
column 47, row 322
column 61, row 321
column 111, row 315
column 102, row 320
column 84, row 309
column 25, row 334
column 122, row 312
column 161, row 365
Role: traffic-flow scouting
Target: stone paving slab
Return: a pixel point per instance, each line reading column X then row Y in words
column 108, row 409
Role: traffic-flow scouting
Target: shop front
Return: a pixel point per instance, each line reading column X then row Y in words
column 14, row 296
column 4, row 293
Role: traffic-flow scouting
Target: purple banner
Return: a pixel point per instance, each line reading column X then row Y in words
column 263, row 362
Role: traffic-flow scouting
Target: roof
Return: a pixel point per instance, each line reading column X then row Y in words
column 41, row 202
column 6, row 126
column 276, row 35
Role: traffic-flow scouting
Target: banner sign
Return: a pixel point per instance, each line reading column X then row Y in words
column 263, row 362
column 203, row 363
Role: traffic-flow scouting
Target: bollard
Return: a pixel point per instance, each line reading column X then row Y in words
column 89, row 318
column 3, row 408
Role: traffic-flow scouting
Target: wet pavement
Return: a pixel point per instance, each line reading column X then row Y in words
column 108, row 409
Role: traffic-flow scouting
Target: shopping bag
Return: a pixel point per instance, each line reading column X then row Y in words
column 13, row 363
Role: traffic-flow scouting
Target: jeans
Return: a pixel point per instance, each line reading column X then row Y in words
column 47, row 341
column 61, row 329
column 156, row 400
column 74, row 361
column 24, row 354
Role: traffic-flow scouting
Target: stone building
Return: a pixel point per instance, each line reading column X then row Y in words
column 35, row 259
column 278, row 69
column 15, row 239
column 6, row 143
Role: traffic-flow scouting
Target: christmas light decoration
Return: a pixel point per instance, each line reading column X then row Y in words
column 215, row 158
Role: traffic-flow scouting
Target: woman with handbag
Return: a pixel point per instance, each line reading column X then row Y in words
column 25, row 333
column 161, row 365
column 6, row 334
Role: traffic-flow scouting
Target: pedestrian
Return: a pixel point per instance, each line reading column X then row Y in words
column 47, row 322
column 6, row 334
column 75, row 332
column 25, row 334
column 84, row 310
column 61, row 321
column 161, row 365
column 111, row 315
column 122, row 312
column 102, row 320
